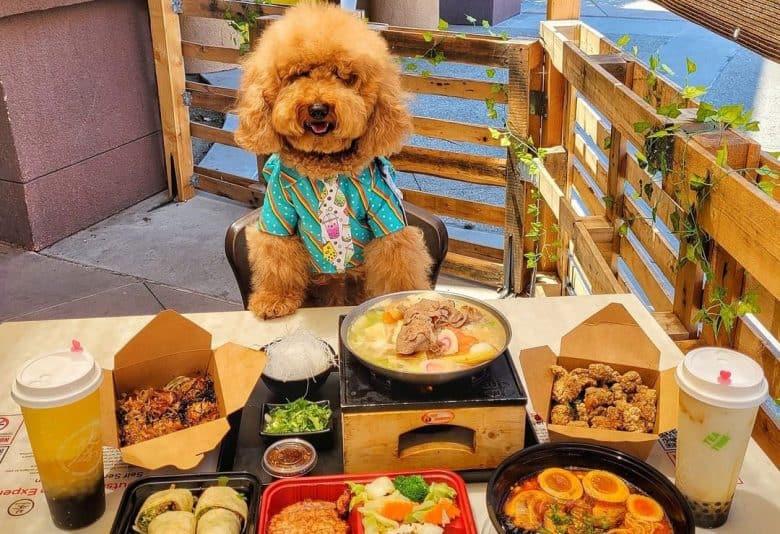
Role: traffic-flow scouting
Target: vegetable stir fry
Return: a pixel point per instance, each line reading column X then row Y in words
column 404, row 505
column 298, row 416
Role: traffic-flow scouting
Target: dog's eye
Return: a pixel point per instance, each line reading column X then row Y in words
column 301, row 74
column 347, row 78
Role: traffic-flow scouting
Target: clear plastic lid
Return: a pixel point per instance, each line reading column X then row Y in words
column 57, row 379
column 290, row 457
column 722, row 377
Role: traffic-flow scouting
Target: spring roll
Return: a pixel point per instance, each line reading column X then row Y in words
column 222, row 497
column 219, row 521
column 173, row 523
column 162, row 501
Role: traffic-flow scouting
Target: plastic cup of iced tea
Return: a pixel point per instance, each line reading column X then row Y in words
column 60, row 400
column 720, row 392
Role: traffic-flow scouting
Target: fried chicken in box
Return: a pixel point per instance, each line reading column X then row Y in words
column 601, row 397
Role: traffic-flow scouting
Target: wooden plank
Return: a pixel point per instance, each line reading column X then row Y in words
column 751, row 341
column 212, row 134
column 475, row 250
column 769, row 316
column 587, row 193
column 566, row 214
column 217, row 8
column 602, row 232
column 474, row 49
column 474, row 269
column 671, row 325
column 517, row 192
column 563, row 9
column 221, row 99
column 548, row 186
column 593, row 264
column 174, row 115
column 597, row 129
column 454, row 131
column 453, row 87
column 225, row 176
column 645, row 277
column 638, row 178
column 210, row 53
column 688, row 286
column 468, row 48
column 774, row 164
column 227, row 92
column 614, row 193
column 226, row 189
column 478, row 212
column 553, row 126
column 484, row 170
column 767, row 435
column 590, row 160
column 727, row 271
column 650, row 236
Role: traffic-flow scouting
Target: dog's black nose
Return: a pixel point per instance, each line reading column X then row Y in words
column 318, row 111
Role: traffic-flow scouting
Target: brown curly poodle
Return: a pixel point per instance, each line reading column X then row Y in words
column 322, row 94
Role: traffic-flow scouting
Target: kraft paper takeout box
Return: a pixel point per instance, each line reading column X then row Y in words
column 169, row 346
column 610, row 336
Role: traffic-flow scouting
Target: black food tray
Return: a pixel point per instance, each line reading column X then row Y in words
column 135, row 495
column 243, row 447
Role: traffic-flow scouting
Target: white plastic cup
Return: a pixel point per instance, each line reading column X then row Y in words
column 720, row 392
column 60, row 399
column 350, row 5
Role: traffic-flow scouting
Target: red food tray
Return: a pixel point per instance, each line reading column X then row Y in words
column 328, row 488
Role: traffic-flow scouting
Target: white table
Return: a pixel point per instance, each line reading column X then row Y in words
column 535, row 322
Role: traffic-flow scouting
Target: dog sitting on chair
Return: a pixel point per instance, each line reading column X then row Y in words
column 323, row 95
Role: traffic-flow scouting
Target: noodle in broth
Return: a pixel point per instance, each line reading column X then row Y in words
column 447, row 344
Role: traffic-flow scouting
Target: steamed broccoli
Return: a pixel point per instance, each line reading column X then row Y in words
column 413, row 487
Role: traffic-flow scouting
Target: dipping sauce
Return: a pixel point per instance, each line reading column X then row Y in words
column 289, row 458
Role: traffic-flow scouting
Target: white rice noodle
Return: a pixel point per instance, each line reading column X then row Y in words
column 298, row 356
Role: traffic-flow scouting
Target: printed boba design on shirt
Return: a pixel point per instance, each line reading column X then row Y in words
column 336, row 218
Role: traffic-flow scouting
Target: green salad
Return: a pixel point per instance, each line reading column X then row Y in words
column 298, row 416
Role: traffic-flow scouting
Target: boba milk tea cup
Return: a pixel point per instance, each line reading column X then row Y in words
column 59, row 396
column 720, row 392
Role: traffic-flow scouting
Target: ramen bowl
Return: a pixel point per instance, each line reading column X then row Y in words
column 363, row 345
column 635, row 472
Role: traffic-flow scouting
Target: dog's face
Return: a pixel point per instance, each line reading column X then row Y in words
column 322, row 107
column 323, row 86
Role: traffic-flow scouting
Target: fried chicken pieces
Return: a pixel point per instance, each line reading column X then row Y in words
column 600, row 397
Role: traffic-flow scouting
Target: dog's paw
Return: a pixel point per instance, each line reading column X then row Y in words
column 270, row 306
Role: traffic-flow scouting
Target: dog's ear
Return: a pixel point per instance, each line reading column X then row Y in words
column 390, row 123
column 255, row 132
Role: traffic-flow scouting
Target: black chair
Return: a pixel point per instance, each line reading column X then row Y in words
column 433, row 228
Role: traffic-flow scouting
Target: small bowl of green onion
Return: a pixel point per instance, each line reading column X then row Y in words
column 301, row 418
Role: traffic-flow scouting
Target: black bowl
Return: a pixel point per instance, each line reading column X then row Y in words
column 295, row 389
column 633, row 470
column 321, row 439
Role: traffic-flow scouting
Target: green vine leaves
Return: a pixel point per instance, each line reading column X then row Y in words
column 720, row 313
column 243, row 23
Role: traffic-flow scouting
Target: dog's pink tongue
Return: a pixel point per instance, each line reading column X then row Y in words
column 319, row 127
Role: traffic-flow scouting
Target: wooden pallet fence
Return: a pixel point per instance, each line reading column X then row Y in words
column 599, row 110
